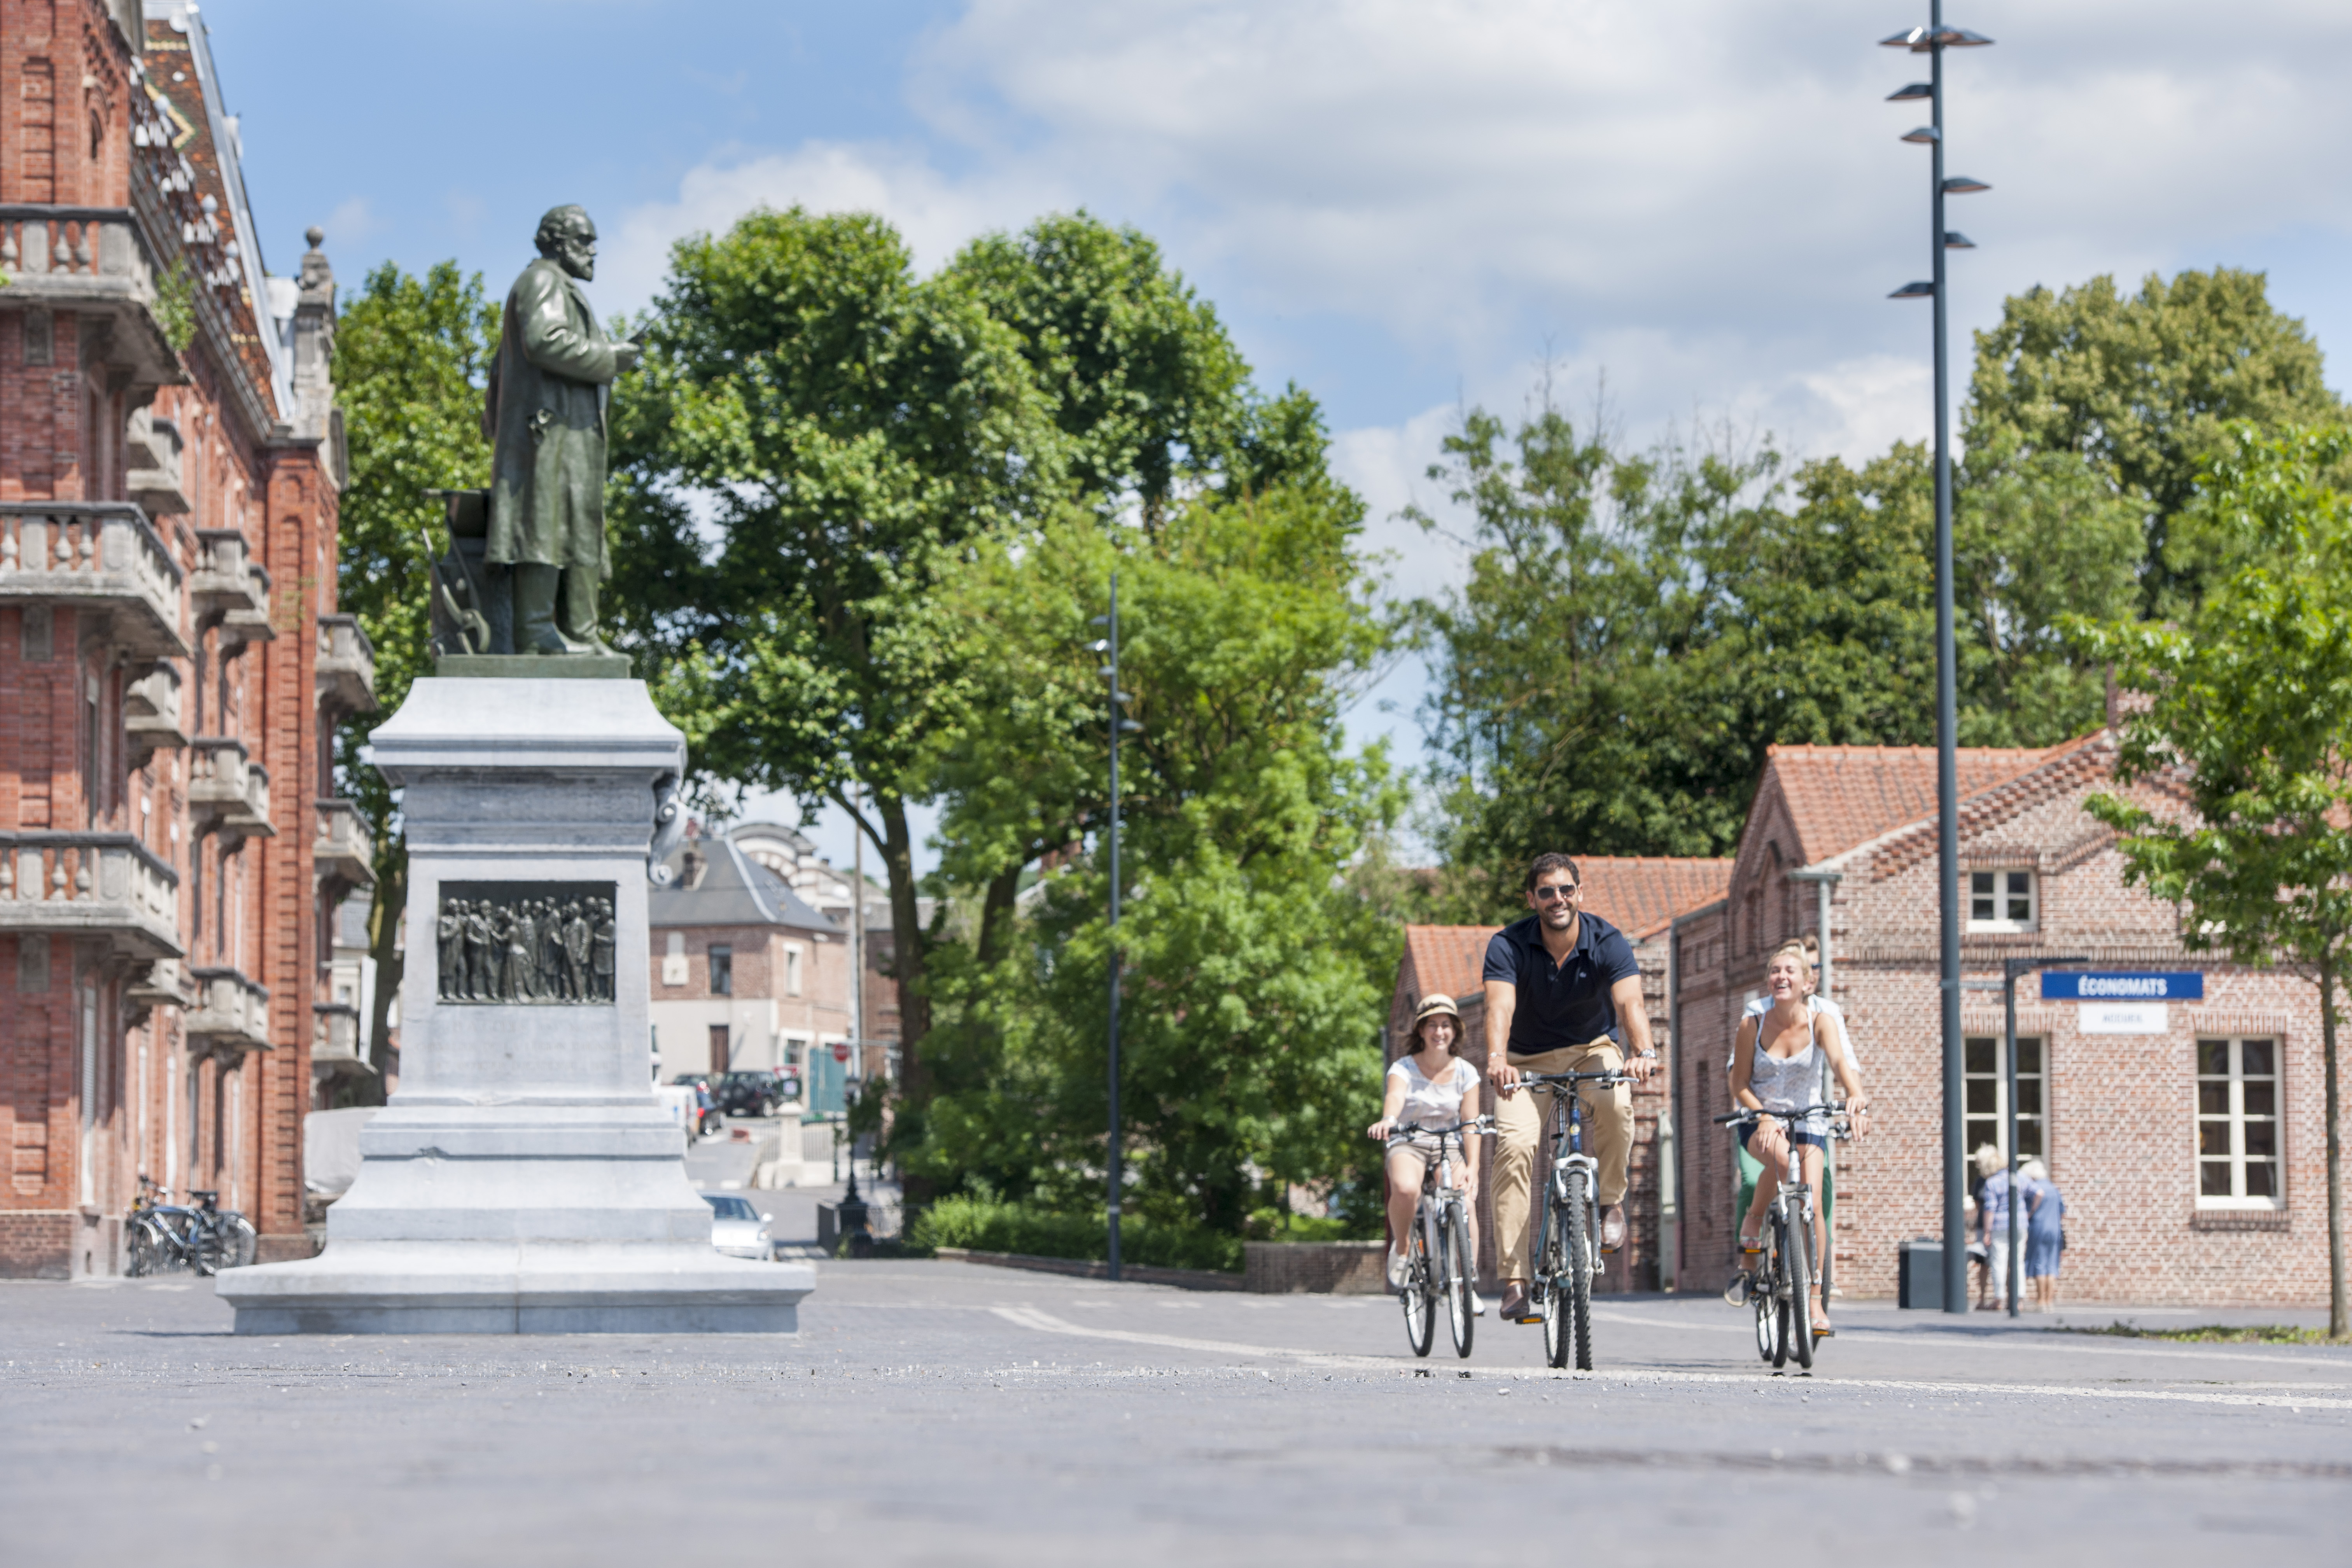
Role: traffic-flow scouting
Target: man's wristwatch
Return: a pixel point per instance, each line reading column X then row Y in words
column 1649, row 1056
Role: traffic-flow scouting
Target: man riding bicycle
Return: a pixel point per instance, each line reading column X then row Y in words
column 1559, row 984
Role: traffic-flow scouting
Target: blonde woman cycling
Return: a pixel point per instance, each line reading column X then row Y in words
column 1430, row 1087
column 1775, row 1065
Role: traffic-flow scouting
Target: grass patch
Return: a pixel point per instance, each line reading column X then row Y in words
column 985, row 1225
column 2217, row 1334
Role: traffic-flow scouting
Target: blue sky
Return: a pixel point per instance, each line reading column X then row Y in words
column 1401, row 205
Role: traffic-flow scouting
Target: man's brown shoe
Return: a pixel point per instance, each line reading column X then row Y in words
column 1518, row 1305
column 1613, row 1227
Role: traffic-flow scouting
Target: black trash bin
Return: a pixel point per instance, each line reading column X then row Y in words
column 1919, row 1273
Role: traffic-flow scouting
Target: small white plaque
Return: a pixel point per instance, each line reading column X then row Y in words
column 2123, row 1018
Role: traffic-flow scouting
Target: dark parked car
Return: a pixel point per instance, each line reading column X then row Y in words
column 755, row 1093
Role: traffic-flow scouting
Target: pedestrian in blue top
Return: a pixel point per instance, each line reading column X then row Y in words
column 2046, row 1233
column 1992, row 1220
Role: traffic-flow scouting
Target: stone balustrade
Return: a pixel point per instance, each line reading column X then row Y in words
column 230, row 587
column 95, row 262
column 151, row 452
column 344, row 849
column 104, row 885
column 231, row 1014
column 95, row 556
column 228, row 793
column 346, row 667
column 151, row 714
column 335, row 1039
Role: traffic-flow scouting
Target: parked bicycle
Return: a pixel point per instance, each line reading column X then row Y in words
column 201, row 1236
column 1781, row 1292
column 1439, row 1259
column 1568, row 1254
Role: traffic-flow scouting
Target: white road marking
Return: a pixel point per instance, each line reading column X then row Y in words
column 2014, row 1342
column 1046, row 1322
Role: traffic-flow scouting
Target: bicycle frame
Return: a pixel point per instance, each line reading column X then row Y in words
column 1775, row 1291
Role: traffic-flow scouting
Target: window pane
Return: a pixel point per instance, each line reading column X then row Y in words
column 1983, row 1097
column 2214, row 1137
column 1981, row 895
column 2213, row 1099
column 2213, row 1178
column 2213, row 1059
column 2261, row 1099
column 1981, row 1133
column 1980, row 1053
column 2028, row 1139
column 2262, row 1179
column 2029, row 1055
column 2021, row 896
column 2261, row 1140
column 2029, row 1097
column 2256, row 1054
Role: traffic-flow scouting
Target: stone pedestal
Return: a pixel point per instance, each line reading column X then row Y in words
column 523, row 1180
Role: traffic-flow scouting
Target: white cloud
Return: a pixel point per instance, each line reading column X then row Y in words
column 351, row 224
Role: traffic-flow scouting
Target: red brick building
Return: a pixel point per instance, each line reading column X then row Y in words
column 171, row 662
column 2192, row 1155
column 1641, row 897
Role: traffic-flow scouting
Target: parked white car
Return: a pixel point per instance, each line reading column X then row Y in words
column 738, row 1229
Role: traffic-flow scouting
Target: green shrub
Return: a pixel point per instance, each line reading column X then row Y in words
column 985, row 1225
column 1273, row 1225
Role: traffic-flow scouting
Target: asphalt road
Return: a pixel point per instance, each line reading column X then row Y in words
column 941, row 1413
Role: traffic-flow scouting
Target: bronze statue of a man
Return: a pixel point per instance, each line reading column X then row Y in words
column 550, row 381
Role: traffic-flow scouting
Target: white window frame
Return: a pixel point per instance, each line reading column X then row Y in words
column 1999, row 885
column 675, row 970
column 793, row 954
column 2040, row 1077
column 2234, row 1121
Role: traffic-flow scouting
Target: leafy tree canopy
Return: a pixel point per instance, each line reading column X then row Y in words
column 2145, row 388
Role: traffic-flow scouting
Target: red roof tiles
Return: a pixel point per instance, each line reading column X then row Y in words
column 1642, row 894
column 1838, row 796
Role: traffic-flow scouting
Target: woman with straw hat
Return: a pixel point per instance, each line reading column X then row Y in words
column 1428, row 1087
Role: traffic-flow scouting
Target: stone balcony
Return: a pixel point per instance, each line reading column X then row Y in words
column 96, row 885
column 162, row 983
column 99, row 557
column 151, row 452
column 346, row 667
column 95, row 262
column 150, row 715
column 335, row 1048
column 230, row 587
column 228, row 793
column 344, row 851
column 231, row 1015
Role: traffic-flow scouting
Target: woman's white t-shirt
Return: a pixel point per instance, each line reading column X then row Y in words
column 1432, row 1101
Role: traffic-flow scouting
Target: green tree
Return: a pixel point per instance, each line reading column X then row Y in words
column 1254, row 978
column 2250, row 716
column 1636, row 631
column 849, row 427
column 411, row 358
column 2145, row 386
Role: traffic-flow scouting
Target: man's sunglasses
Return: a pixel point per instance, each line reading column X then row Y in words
column 1555, row 895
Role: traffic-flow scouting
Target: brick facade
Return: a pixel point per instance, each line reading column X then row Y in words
column 171, row 663
column 2121, row 1108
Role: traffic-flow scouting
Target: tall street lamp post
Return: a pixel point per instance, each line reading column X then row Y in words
column 1932, row 40
column 1119, row 725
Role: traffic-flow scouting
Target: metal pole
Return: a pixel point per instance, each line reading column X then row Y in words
column 1116, row 1174
column 1948, row 724
column 1829, row 1146
column 2008, row 1115
column 856, row 941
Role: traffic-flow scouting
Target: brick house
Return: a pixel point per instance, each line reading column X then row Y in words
column 1642, row 897
column 171, row 663
column 745, row 974
column 827, row 888
column 2192, row 1156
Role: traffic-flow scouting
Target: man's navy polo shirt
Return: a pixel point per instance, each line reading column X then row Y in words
column 1565, row 1003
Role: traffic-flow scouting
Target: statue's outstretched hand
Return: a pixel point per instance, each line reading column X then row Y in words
column 625, row 354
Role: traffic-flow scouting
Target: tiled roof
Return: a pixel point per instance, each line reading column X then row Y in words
column 734, row 890
column 1446, row 958
column 1838, row 796
column 1642, row 894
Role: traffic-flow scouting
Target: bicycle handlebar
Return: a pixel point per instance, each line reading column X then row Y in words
column 1616, row 1077
column 1484, row 1124
column 1798, row 1114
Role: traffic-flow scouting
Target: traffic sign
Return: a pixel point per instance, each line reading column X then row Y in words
column 841, row 1050
column 2096, row 985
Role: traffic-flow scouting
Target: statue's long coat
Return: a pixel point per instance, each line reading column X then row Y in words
column 545, row 420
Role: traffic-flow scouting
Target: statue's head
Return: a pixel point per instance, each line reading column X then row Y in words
column 567, row 237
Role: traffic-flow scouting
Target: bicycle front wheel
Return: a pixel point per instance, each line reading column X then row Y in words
column 1576, row 1218
column 146, row 1252
column 1461, row 1277
column 1780, row 1260
column 1419, row 1295
column 1551, row 1268
column 1801, row 1292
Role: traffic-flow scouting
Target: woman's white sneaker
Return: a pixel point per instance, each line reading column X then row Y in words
column 1397, row 1266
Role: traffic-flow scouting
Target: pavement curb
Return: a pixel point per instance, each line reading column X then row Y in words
column 1094, row 1269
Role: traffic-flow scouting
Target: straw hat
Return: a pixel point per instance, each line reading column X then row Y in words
column 1434, row 1004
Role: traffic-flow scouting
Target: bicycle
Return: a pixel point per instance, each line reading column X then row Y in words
column 1440, row 1260
column 203, row 1237
column 1782, row 1293
column 1567, row 1257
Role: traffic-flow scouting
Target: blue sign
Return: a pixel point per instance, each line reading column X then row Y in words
column 2097, row 986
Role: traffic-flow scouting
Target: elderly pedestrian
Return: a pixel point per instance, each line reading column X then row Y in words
column 2046, row 1233
column 1992, row 1220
